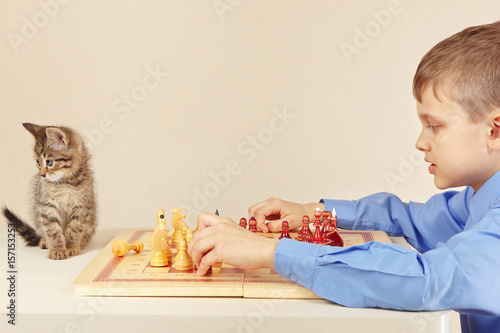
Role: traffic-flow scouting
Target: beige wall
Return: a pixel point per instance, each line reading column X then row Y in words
column 294, row 99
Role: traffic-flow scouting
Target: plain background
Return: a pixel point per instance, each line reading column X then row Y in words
column 300, row 100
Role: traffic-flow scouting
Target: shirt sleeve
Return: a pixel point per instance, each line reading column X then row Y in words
column 460, row 274
column 423, row 225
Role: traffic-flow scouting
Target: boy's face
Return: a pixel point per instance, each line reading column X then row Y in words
column 456, row 148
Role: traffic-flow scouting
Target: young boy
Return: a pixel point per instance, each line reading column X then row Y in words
column 456, row 234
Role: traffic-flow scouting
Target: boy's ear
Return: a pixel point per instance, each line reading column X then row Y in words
column 494, row 130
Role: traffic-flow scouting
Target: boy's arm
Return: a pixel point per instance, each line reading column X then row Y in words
column 461, row 274
column 423, row 225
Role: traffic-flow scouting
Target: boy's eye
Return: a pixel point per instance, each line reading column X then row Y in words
column 49, row 163
column 433, row 127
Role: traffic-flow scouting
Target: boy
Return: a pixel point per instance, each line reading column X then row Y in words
column 456, row 234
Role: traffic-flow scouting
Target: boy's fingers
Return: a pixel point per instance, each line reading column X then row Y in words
column 275, row 226
column 203, row 241
column 269, row 209
column 208, row 260
column 206, row 220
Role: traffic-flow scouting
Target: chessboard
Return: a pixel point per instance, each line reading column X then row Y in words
column 133, row 275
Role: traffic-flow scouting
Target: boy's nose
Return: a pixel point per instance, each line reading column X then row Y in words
column 422, row 144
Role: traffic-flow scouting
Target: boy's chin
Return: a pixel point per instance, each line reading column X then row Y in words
column 442, row 185
column 445, row 185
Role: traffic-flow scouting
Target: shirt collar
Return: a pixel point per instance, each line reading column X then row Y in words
column 481, row 200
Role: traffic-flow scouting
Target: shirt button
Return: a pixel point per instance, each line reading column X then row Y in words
column 293, row 277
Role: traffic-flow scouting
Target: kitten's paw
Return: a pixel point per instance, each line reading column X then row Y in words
column 58, row 253
column 83, row 243
column 43, row 243
column 74, row 249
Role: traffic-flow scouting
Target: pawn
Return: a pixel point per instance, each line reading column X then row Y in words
column 120, row 247
column 183, row 261
column 243, row 222
column 305, row 234
column 252, row 224
column 284, row 230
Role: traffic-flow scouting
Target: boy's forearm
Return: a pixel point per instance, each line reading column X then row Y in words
column 268, row 253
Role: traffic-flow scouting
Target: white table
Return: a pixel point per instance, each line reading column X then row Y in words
column 45, row 303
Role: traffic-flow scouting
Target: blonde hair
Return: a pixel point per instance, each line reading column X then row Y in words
column 466, row 68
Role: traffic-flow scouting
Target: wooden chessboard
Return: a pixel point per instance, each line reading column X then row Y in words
column 133, row 275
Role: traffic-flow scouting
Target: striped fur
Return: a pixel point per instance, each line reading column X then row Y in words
column 64, row 208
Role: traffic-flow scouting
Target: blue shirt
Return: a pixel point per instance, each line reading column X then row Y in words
column 456, row 265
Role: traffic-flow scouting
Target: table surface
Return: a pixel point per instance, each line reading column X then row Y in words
column 45, row 302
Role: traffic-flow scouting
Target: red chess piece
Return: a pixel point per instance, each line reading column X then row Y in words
column 325, row 214
column 317, row 214
column 284, row 230
column 333, row 237
column 330, row 226
column 305, row 231
column 243, row 222
column 252, row 224
column 332, row 222
column 318, row 238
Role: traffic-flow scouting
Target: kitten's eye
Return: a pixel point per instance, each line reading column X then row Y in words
column 38, row 162
column 49, row 163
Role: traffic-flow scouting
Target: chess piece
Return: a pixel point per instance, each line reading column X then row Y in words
column 188, row 234
column 305, row 234
column 332, row 225
column 317, row 238
column 332, row 236
column 120, row 247
column 252, row 224
column 177, row 224
column 197, row 224
column 284, row 230
column 334, row 239
column 183, row 261
column 243, row 222
column 159, row 242
column 326, row 215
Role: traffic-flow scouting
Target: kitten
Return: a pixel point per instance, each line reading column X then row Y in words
column 64, row 206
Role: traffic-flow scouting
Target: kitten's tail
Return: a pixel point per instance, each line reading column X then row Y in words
column 25, row 230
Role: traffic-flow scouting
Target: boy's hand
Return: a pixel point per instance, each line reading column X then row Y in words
column 276, row 211
column 219, row 239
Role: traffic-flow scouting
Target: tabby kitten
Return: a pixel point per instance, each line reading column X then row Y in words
column 64, row 208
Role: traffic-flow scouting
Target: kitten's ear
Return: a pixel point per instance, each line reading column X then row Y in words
column 57, row 139
column 37, row 131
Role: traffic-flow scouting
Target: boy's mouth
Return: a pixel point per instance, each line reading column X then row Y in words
column 432, row 168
